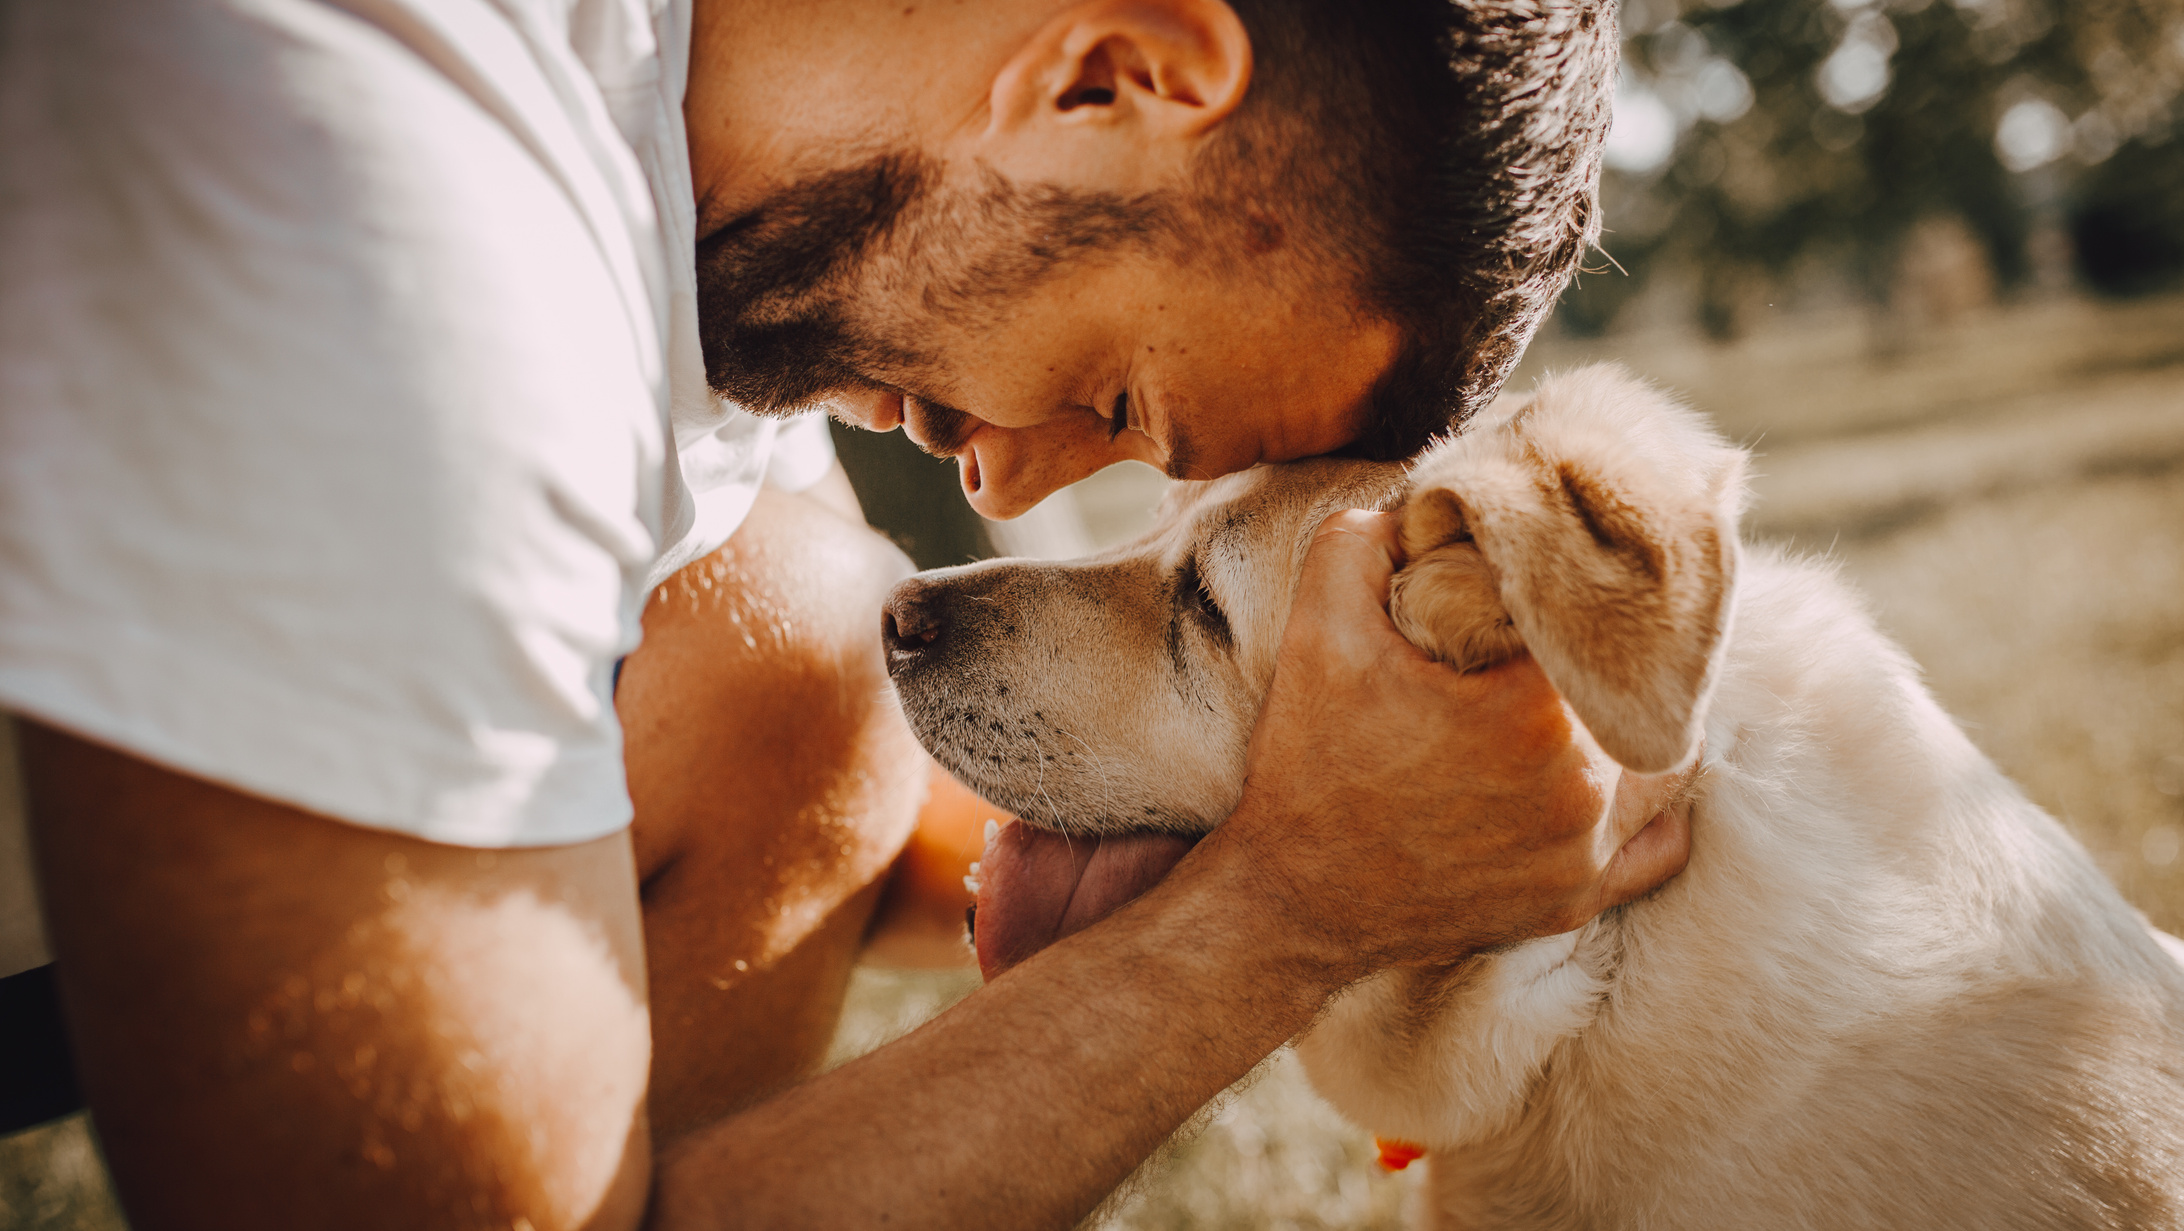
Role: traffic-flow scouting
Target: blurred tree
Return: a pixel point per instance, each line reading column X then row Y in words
column 2127, row 220
column 1760, row 140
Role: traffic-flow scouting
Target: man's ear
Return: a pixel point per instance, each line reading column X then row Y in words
column 1602, row 517
column 1146, row 74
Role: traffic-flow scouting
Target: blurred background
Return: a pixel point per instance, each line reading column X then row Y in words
column 1926, row 257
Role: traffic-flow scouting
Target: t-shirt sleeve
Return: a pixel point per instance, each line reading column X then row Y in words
column 330, row 446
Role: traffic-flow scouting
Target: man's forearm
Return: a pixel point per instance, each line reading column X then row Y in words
column 1028, row 1102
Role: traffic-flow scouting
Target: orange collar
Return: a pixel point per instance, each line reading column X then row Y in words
column 1396, row 1155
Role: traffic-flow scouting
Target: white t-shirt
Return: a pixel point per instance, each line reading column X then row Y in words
column 350, row 394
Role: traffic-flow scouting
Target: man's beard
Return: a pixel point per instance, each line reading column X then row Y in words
column 774, row 287
column 779, row 315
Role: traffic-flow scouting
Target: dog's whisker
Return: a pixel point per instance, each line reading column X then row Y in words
column 1099, row 764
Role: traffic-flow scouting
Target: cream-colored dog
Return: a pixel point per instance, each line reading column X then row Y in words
column 1888, row 992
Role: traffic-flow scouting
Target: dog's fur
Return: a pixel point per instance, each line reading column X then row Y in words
column 1887, row 992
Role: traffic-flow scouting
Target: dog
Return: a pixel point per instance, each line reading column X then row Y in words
column 1887, row 992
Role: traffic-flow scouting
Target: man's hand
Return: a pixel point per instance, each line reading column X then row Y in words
column 1399, row 812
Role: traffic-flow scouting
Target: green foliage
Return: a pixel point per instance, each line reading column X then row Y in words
column 1820, row 134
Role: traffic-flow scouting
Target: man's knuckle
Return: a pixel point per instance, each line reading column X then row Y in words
column 1566, row 825
column 1567, row 880
column 1568, row 918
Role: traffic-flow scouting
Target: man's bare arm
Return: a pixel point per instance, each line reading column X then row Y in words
column 1025, row 1104
column 286, row 1021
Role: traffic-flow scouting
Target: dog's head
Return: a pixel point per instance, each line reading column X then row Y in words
column 1593, row 524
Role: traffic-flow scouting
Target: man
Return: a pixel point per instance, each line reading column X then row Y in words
column 355, row 403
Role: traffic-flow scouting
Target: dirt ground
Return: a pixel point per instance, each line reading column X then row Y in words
column 2008, row 492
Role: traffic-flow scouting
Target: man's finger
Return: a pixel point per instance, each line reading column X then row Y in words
column 1659, row 851
column 1641, row 797
column 1353, row 555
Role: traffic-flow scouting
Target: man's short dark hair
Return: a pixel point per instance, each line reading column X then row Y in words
column 1447, row 154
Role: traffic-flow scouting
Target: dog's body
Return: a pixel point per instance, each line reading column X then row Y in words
column 1887, row 992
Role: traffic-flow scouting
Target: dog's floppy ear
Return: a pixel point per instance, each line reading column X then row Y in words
column 1596, row 526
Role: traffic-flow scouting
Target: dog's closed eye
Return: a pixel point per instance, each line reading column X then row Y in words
column 1194, row 601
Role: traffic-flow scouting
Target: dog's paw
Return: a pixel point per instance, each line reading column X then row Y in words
column 1595, row 525
column 1444, row 601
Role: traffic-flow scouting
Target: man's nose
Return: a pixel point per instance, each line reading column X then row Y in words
column 1008, row 470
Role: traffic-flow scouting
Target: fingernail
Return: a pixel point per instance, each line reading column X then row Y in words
column 993, row 828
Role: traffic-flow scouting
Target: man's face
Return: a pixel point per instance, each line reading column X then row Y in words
column 1036, row 339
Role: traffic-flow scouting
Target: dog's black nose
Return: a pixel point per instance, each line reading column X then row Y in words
column 912, row 620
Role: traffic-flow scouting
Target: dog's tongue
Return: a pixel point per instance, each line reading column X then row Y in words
column 1037, row 886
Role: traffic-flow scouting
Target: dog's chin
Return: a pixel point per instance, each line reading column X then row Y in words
column 1090, row 837
column 1052, row 788
column 1037, row 885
